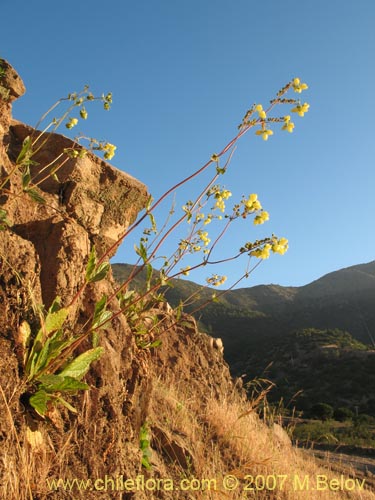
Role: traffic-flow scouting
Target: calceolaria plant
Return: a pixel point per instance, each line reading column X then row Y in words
column 51, row 368
column 74, row 110
column 212, row 208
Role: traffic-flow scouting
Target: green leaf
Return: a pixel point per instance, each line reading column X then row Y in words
column 91, row 264
column 100, row 273
column 99, row 308
column 101, row 315
column 94, row 273
column 149, row 276
column 95, row 338
column 47, row 352
column 26, row 177
column 39, row 401
column 25, row 151
column 150, row 199
column 163, row 278
column 81, row 364
column 34, row 195
column 149, row 345
column 141, row 251
column 55, row 320
column 57, row 383
column 153, row 223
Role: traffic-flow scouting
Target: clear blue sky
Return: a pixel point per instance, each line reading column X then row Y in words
column 183, row 74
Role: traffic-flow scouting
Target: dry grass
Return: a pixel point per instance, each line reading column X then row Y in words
column 226, row 436
column 27, row 456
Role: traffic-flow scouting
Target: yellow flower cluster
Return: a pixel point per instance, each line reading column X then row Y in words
column 220, row 196
column 260, row 111
column 208, row 220
column 203, row 235
column 252, row 203
column 301, row 109
column 298, row 86
column 109, row 151
column 288, row 125
column 261, row 218
column 279, row 246
column 216, row 280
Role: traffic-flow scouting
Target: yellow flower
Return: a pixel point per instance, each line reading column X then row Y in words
column 216, row 280
column 109, row 151
column 261, row 218
column 298, row 86
column 204, row 237
column 220, row 204
column 83, row 113
column 301, row 109
column 71, row 123
column 264, row 133
column 252, row 203
column 185, row 271
column 288, row 125
column 262, row 253
column 261, row 112
column 280, row 245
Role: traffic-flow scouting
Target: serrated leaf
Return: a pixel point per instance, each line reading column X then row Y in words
column 39, row 401
column 34, row 195
column 81, row 364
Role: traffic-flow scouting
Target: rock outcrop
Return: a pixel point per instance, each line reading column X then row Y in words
column 44, row 250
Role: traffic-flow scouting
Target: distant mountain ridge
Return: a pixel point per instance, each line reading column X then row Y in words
column 315, row 340
column 342, row 299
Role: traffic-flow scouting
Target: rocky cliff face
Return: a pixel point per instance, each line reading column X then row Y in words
column 43, row 254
